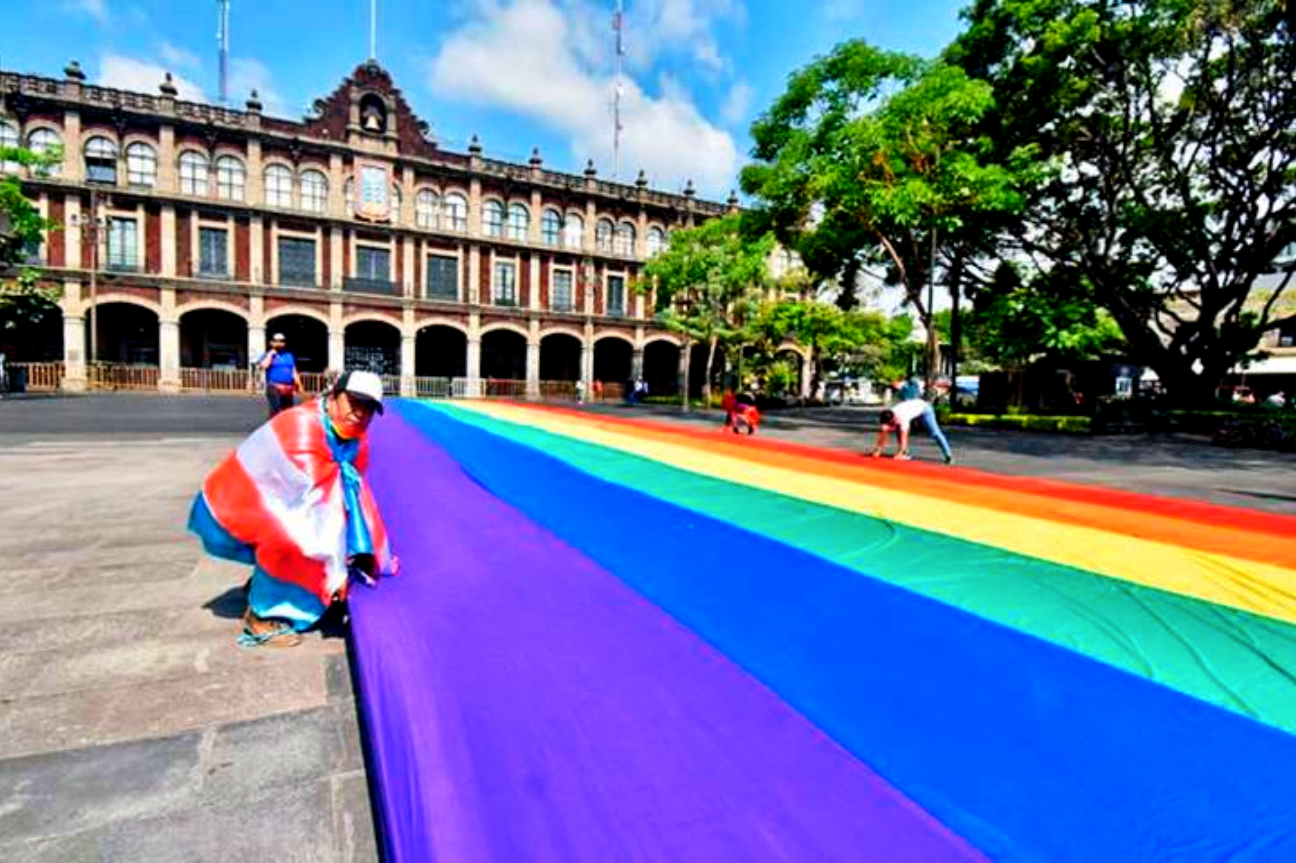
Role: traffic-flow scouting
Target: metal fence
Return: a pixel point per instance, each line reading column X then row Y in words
column 121, row 376
column 35, row 377
column 218, row 380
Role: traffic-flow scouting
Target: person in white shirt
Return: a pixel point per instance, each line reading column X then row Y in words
column 897, row 419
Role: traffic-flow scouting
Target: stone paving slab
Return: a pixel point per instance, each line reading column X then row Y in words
column 132, row 727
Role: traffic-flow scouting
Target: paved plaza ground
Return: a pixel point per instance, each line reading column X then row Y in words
column 133, row 728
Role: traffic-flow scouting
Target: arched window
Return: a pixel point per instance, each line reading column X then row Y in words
column 8, row 139
column 624, row 241
column 656, row 241
column 278, row 186
column 455, row 211
column 425, row 209
column 603, row 235
column 551, row 226
column 193, row 173
column 42, row 141
column 314, row 191
column 493, row 219
column 101, row 161
column 141, row 165
column 574, row 231
column 519, row 221
column 231, row 178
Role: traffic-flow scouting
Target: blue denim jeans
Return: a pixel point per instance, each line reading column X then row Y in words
column 934, row 429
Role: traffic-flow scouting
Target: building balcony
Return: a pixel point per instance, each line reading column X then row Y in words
column 123, row 267
column 382, row 287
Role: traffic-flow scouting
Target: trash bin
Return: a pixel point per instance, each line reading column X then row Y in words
column 17, row 379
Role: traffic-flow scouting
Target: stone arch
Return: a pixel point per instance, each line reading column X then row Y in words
column 307, row 335
column 372, row 342
column 126, row 330
column 424, row 323
column 663, row 337
column 565, row 331
column 212, row 335
column 614, row 334
column 661, row 366
column 104, row 298
column 213, row 305
column 303, row 311
column 441, row 350
column 373, row 317
column 504, row 325
column 560, row 355
column 503, row 353
column 613, row 359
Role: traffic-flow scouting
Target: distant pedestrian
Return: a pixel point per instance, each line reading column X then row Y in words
column 282, row 379
column 4, row 376
column 1275, row 400
column 908, row 389
column 580, row 392
column 897, row 419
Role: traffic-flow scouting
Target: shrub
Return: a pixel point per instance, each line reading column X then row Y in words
column 1021, row 422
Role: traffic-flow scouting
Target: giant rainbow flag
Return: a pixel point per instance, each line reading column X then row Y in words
column 616, row 640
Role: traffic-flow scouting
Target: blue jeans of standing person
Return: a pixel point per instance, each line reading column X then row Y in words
column 934, row 429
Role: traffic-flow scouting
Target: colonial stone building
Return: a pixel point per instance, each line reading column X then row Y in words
column 190, row 231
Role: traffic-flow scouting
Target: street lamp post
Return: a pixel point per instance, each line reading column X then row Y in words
column 684, row 304
column 90, row 225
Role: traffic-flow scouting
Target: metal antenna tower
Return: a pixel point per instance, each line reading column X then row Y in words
column 373, row 30
column 223, row 42
column 618, row 25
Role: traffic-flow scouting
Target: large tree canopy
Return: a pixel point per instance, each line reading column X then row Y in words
column 22, row 299
column 871, row 157
column 708, row 283
column 1169, row 131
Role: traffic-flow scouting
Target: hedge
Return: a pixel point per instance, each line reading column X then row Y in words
column 1020, row 422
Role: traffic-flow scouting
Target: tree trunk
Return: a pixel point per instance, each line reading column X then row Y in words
column 933, row 352
column 688, row 353
column 706, row 383
column 956, row 277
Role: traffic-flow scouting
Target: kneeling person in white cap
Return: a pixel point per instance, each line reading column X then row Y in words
column 293, row 502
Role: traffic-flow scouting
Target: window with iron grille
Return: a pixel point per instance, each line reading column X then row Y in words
column 123, row 244
column 193, row 173
column 625, row 239
column 603, row 235
column 373, row 264
column 213, row 252
column 551, row 225
column 504, row 285
column 42, row 141
column 560, row 291
column 442, row 277
column 519, row 222
column 231, row 178
column 314, row 191
column 296, row 262
column 455, row 212
column 278, row 186
column 493, row 219
column 616, row 295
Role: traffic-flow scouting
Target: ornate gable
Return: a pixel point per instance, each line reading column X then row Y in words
column 368, row 103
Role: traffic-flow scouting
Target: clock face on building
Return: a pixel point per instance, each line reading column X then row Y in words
column 373, row 201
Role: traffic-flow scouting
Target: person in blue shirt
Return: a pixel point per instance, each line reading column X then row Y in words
column 282, row 380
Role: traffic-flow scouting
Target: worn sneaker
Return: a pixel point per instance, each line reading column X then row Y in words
column 949, row 459
column 903, row 456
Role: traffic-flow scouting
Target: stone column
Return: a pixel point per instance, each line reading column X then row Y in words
column 74, row 339
column 337, row 339
column 167, row 179
column 537, row 219
column 534, row 300
column 169, row 241
column 256, row 338
column 169, row 353
column 587, row 360
column 72, row 236
column 73, row 169
column 407, row 366
column 474, row 207
column 337, row 238
column 533, row 360
column 636, row 362
column 255, row 182
column 474, row 355
column 407, row 246
column 256, row 253
column 474, row 275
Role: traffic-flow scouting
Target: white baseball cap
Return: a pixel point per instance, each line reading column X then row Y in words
column 362, row 385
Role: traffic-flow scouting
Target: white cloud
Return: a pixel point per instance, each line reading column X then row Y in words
column 656, row 27
column 246, row 75
column 526, row 57
column 128, row 73
column 96, row 9
column 738, row 103
column 176, row 56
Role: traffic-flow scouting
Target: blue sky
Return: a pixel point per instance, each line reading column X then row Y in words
column 518, row 73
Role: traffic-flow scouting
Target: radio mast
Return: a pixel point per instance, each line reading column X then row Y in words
column 618, row 25
column 223, row 42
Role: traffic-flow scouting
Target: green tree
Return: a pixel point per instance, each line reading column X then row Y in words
column 1168, row 131
column 708, row 280
column 22, row 299
column 872, row 157
column 834, row 337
